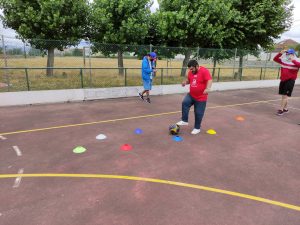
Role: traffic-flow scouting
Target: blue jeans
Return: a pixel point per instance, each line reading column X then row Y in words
column 199, row 109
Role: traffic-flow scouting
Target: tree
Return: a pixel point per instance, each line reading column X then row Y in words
column 192, row 24
column 297, row 48
column 117, row 23
column 217, row 55
column 15, row 51
column 77, row 52
column 257, row 24
column 41, row 22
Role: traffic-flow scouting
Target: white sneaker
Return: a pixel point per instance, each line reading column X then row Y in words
column 195, row 131
column 182, row 123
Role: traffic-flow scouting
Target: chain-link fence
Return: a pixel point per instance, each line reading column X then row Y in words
column 50, row 64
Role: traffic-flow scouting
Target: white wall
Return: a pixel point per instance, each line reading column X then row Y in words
column 54, row 96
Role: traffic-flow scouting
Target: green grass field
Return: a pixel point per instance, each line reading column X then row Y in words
column 69, row 74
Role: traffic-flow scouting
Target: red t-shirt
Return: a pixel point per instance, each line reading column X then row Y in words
column 198, row 83
column 289, row 70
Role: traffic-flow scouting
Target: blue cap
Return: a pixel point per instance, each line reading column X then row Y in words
column 153, row 55
column 291, row 51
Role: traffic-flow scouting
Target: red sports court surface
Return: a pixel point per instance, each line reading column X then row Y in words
column 247, row 173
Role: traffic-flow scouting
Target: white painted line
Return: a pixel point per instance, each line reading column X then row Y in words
column 18, row 179
column 293, row 108
column 278, row 105
column 17, row 150
column 3, row 138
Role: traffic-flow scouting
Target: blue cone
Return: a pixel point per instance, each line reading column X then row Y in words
column 138, row 131
column 177, row 138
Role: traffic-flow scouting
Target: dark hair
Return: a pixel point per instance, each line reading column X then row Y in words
column 193, row 63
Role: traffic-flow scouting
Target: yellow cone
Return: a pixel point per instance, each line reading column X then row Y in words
column 211, row 131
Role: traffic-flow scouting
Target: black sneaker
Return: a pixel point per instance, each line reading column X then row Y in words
column 285, row 110
column 141, row 96
column 280, row 112
column 148, row 100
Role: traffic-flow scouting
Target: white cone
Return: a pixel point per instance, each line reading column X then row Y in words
column 101, row 137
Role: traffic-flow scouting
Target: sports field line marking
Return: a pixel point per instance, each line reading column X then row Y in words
column 279, row 106
column 17, row 150
column 133, row 117
column 2, row 138
column 18, row 179
column 187, row 185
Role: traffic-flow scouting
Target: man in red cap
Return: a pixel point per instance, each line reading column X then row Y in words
column 289, row 70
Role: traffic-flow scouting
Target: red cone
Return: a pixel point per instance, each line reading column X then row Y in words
column 126, row 147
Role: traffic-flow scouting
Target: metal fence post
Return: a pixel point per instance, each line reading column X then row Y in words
column 5, row 63
column 241, row 75
column 260, row 76
column 81, row 77
column 27, row 79
column 162, row 76
column 83, row 53
column 125, row 76
column 90, row 63
column 265, row 70
column 25, row 55
column 234, row 61
column 278, row 72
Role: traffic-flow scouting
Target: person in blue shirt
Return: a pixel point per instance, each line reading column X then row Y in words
column 147, row 74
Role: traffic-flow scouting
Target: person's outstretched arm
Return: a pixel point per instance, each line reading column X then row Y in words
column 277, row 57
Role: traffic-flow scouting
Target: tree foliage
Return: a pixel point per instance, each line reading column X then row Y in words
column 297, row 48
column 195, row 24
column 247, row 25
column 117, row 23
column 41, row 22
column 258, row 23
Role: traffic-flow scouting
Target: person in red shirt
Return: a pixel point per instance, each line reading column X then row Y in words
column 200, row 82
column 289, row 70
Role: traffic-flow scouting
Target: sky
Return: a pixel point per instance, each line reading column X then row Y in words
column 292, row 33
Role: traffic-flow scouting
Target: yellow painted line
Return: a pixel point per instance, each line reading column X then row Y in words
column 152, row 180
column 130, row 118
column 88, row 123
